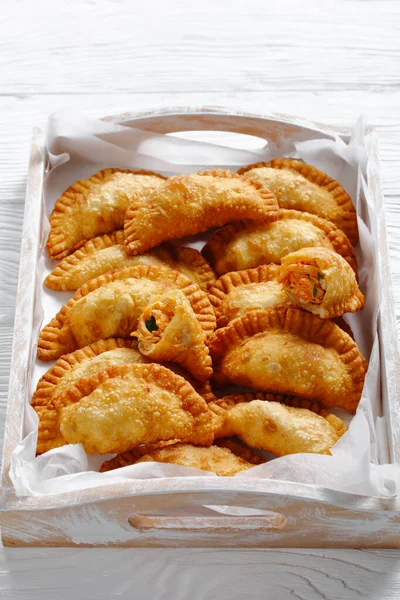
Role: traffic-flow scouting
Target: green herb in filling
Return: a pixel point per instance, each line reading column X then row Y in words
column 320, row 276
column 314, row 292
column 151, row 324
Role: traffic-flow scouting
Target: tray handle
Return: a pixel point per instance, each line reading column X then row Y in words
column 270, row 520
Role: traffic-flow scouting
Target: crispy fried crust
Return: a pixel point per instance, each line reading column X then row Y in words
column 189, row 204
column 221, row 253
column 281, row 429
column 175, row 335
column 220, row 460
column 67, row 274
column 203, row 388
column 56, row 338
column 138, row 403
column 345, row 219
column 66, row 215
column 292, row 352
column 225, row 404
column 48, row 384
column 241, row 291
column 50, row 381
column 341, row 291
column 106, row 252
column 189, row 262
column 240, row 450
column 340, row 322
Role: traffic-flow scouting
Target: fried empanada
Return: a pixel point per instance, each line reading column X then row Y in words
column 289, row 351
column 221, row 461
column 123, row 407
column 85, row 362
column 94, row 206
column 189, row 204
column 223, row 427
column 241, row 291
column 106, row 252
column 245, row 245
column 303, row 187
column 110, row 305
column 281, row 429
column 321, row 281
column 92, row 359
column 240, row 450
column 168, row 330
column 202, row 387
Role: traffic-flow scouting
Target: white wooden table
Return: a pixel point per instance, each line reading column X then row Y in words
column 322, row 59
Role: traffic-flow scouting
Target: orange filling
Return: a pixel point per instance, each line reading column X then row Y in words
column 153, row 323
column 306, row 282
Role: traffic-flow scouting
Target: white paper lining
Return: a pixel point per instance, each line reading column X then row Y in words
column 79, row 147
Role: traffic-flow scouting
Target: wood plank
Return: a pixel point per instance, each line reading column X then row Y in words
column 108, row 574
column 207, row 46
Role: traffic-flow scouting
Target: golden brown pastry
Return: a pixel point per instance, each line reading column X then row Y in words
column 168, row 330
column 92, row 359
column 292, row 352
column 106, row 252
column 302, row 187
column 240, row 450
column 221, row 461
column 224, row 427
column 281, row 429
column 245, row 244
column 85, row 362
column 94, row 206
column 203, row 388
column 110, row 305
column 241, row 291
column 189, row 204
column 122, row 407
column 321, row 281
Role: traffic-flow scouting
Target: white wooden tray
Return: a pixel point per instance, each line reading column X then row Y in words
column 131, row 513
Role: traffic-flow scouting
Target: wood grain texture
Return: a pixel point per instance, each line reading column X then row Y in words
column 206, row 46
column 329, row 61
column 164, row 574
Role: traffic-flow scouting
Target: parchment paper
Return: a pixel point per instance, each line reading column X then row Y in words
column 79, row 147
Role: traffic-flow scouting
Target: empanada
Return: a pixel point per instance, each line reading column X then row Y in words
column 223, row 427
column 301, row 186
column 168, row 330
column 221, row 461
column 94, row 206
column 289, row 351
column 123, row 407
column 281, row 429
column 240, row 450
column 321, row 281
column 203, row 388
column 241, row 291
column 85, row 362
column 110, row 305
column 92, row 359
column 106, row 252
column 189, row 204
column 245, row 245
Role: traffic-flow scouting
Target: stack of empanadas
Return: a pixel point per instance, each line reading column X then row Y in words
column 151, row 339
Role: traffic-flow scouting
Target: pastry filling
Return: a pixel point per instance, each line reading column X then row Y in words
column 306, row 282
column 153, row 323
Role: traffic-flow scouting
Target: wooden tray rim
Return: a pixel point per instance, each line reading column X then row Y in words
column 30, row 241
